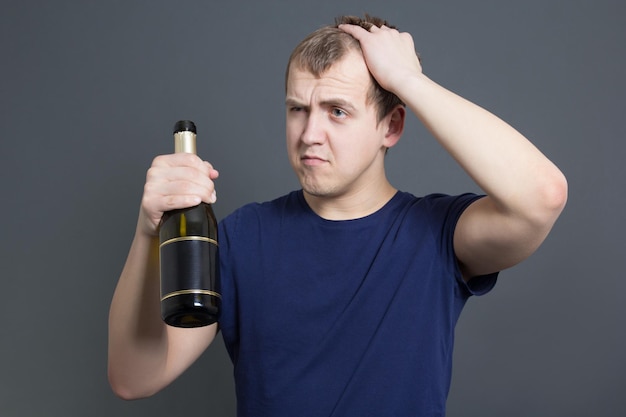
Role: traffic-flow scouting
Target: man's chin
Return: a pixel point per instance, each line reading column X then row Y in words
column 318, row 192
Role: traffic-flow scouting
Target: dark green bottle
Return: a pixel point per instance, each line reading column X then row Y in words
column 189, row 259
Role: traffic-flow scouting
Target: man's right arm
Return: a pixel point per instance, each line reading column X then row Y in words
column 145, row 354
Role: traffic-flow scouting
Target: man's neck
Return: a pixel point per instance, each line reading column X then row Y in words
column 351, row 206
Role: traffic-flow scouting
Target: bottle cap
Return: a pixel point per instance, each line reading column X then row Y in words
column 184, row 125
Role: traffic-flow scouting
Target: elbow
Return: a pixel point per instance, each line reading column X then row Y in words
column 556, row 195
column 123, row 391
column 126, row 390
column 552, row 198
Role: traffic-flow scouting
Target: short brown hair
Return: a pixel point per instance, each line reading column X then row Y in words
column 328, row 45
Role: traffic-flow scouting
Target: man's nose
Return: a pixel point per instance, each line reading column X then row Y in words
column 314, row 132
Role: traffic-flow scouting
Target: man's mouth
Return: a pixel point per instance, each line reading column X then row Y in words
column 312, row 160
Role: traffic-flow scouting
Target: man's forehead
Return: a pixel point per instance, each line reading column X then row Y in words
column 346, row 76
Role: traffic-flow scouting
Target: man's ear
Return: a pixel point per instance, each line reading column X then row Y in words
column 395, row 126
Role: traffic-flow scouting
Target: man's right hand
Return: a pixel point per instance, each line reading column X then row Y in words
column 174, row 181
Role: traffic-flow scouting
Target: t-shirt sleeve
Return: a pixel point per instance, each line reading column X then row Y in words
column 481, row 284
column 447, row 210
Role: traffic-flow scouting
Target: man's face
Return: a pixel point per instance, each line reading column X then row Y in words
column 334, row 143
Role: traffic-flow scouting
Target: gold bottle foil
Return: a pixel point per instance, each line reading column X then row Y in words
column 185, row 141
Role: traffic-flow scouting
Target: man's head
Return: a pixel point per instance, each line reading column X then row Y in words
column 328, row 45
column 339, row 121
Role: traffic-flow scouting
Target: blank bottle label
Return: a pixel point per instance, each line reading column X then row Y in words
column 186, row 265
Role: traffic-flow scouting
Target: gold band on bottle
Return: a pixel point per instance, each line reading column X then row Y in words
column 196, row 291
column 183, row 238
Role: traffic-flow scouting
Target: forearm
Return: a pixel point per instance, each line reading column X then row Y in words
column 137, row 335
column 512, row 171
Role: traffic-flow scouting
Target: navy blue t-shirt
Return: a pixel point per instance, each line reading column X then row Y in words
column 343, row 318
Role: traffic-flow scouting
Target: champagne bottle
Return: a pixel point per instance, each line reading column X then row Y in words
column 189, row 255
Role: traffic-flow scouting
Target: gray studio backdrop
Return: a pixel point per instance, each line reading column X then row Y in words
column 89, row 92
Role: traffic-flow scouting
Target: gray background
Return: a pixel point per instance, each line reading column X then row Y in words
column 89, row 92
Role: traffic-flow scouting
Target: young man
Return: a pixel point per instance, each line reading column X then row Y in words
column 340, row 299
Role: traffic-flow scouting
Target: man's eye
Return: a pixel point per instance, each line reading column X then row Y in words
column 338, row 113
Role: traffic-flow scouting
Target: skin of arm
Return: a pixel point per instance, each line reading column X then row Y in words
column 144, row 353
column 525, row 191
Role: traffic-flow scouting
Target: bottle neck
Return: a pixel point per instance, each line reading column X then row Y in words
column 185, row 142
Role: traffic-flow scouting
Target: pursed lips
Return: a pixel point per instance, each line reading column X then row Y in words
column 312, row 160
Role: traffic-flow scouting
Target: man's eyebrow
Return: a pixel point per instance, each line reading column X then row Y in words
column 329, row 102
column 292, row 102
column 337, row 102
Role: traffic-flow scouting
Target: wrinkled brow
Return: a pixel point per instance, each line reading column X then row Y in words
column 330, row 102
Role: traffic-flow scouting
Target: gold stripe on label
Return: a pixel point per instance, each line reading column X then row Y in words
column 181, row 238
column 183, row 292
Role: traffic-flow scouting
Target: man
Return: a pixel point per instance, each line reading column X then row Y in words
column 340, row 299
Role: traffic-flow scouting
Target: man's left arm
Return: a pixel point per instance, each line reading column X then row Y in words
column 525, row 191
